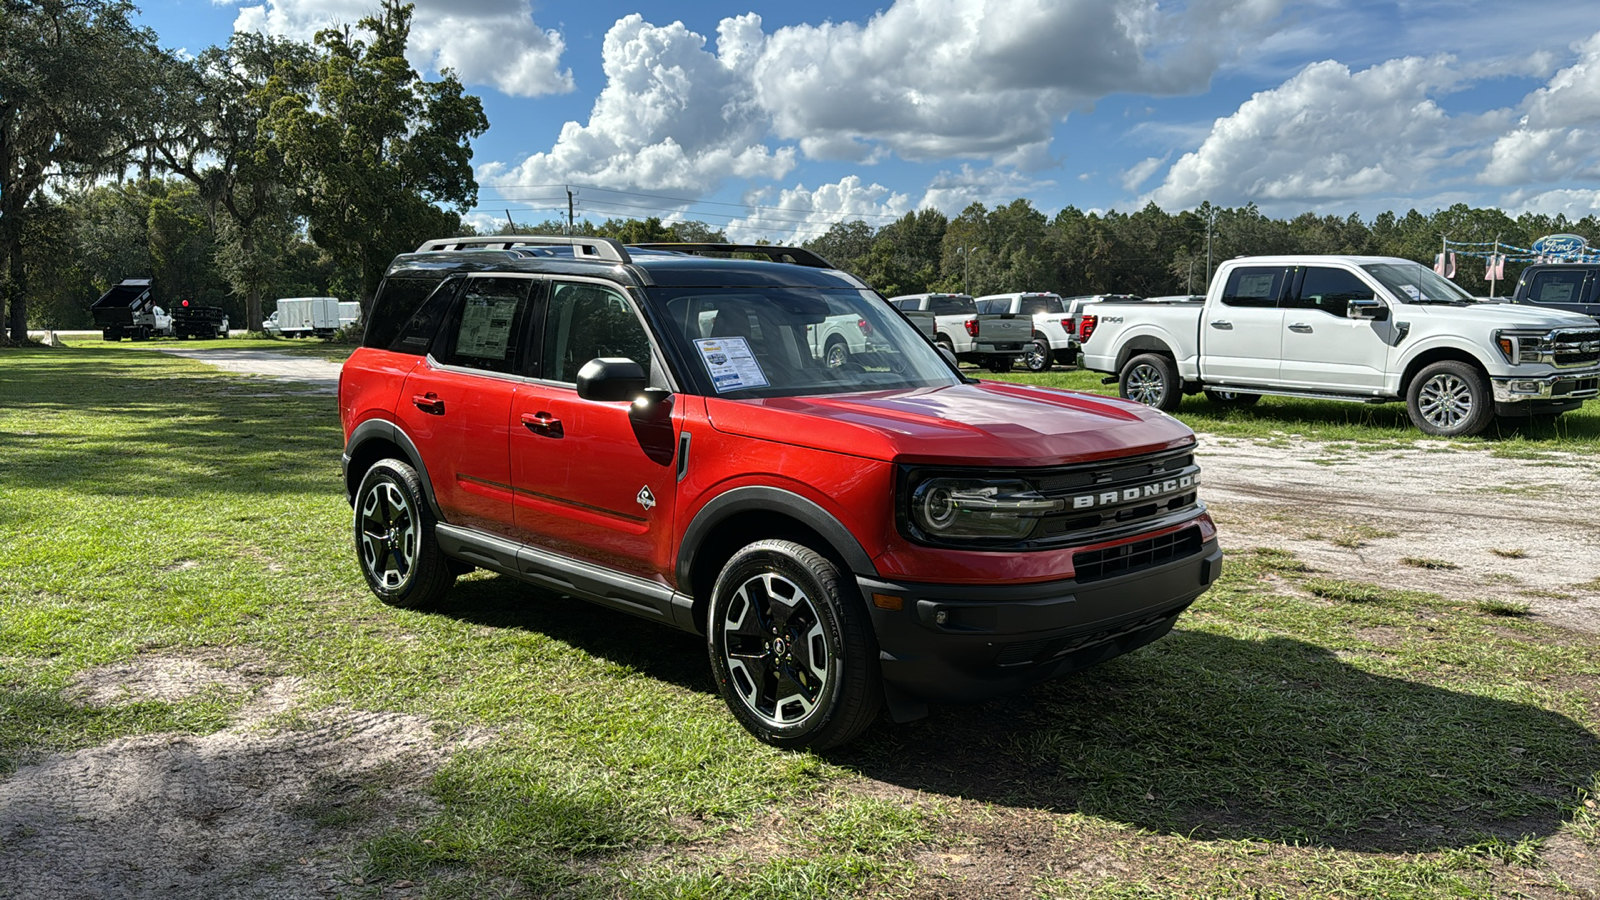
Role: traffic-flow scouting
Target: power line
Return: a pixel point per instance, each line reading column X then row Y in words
column 677, row 200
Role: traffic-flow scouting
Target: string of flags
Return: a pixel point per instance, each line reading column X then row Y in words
column 1564, row 248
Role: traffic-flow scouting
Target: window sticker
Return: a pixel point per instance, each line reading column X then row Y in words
column 486, row 327
column 1555, row 292
column 1258, row 286
column 731, row 364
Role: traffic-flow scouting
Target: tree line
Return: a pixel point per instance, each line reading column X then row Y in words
column 260, row 166
column 270, row 167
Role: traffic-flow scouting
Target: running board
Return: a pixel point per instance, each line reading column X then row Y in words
column 563, row 574
column 1300, row 395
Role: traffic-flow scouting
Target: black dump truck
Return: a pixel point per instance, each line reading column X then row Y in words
column 129, row 310
column 190, row 319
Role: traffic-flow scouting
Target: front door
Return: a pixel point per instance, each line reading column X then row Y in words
column 594, row 480
column 1323, row 350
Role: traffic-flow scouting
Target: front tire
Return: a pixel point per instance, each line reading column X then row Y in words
column 1037, row 356
column 791, row 649
column 1450, row 398
column 1151, row 379
column 395, row 543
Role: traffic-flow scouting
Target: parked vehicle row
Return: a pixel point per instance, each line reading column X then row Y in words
column 1361, row 329
column 1052, row 340
column 992, row 341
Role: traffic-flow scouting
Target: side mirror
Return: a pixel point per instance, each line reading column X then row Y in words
column 610, row 380
column 1367, row 308
column 948, row 354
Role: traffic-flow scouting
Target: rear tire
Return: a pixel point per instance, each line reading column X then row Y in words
column 791, row 648
column 998, row 363
column 1037, row 357
column 1151, row 379
column 1450, row 398
column 395, row 544
column 836, row 354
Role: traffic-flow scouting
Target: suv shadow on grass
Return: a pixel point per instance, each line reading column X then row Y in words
column 1200, row 735
column 1217, row 738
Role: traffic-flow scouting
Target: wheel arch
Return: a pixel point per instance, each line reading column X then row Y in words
column 745, row 515
column 1437, row 354
column 377, row 439
column 1143, row 343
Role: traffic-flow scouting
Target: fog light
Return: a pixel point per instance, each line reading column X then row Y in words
column 941, row 617
column 1524, row 387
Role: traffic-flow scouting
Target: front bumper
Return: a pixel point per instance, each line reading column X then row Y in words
column 1576, row 385
column 964, row 644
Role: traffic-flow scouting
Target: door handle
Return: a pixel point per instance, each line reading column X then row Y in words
column 1301, row 327
column 429, row 403
column 542, row 423
column 1223, row 324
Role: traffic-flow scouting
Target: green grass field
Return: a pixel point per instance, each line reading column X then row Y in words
column 1296, row 736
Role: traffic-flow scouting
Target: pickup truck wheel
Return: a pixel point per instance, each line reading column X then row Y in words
column 1450, row 398
column 1232, row 398
column 997, row 363
column 1151, row 379
column 790, row 647
column 395, row 543
column 1037, row 356
column 836, row 354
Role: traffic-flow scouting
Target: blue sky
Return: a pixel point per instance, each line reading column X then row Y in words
column 776, row 120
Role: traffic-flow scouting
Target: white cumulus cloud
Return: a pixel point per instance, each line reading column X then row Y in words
column 672, row 116
column 1559, row 132
column 797, row 215
column 1332, row 134
column 493, row 42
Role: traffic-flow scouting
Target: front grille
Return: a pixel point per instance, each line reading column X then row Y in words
column 1581, row 387
column 1122, row 559
column 1576, row 348
column 1117, row 493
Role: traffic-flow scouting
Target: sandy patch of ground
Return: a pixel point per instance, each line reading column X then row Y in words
column 251, row 811
column 1473, row 526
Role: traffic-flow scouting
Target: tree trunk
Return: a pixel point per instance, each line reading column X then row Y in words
column 13, row 296
column 252, row 295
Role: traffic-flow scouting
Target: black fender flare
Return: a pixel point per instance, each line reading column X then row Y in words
column 384, row 430
column 776, row 500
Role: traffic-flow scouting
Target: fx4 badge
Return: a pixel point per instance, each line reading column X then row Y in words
column 645, row 498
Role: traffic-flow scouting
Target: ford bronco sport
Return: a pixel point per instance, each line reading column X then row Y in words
column 659, row 430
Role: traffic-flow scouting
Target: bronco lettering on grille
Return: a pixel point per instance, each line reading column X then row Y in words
column 1131, row 494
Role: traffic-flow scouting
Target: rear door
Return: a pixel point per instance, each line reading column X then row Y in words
column 1323, row 350
column 1241, row 337
column 594, row 480
column 456, row 405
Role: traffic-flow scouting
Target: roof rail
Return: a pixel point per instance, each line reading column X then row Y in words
column 796, row 255
column 594, row 247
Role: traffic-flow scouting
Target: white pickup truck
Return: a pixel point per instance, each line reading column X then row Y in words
column 1359, row 328
column 992, row 341
column 1052, row 340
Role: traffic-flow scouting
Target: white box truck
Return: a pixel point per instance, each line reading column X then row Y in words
column 302, row 316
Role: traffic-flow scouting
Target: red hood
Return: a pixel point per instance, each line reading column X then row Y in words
column 992, row 423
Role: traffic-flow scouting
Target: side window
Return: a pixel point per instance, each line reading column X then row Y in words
column 486, row 331
column 407, row 314
column 988, row 306
column 1255, row 286
column 1558, row 286
column 1330, row 290
column 588, row 321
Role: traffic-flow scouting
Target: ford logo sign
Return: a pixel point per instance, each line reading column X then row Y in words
column 1561, row 245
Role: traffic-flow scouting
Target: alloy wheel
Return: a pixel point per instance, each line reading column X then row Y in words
column 775, row 649
column 1146, row 385
column 388, row 535
column 1445, row 400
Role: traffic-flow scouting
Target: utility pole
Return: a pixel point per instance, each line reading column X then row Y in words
column 569, row 210
column 1211, row 220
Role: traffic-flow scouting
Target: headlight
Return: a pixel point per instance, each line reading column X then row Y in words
column 1519, row 347
column 955, row 508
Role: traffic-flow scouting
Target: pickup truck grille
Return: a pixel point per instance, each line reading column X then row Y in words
column 1574, row 348
column 1116, row 494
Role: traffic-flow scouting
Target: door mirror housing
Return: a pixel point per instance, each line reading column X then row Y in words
column 1367, row 308
column 608, row 380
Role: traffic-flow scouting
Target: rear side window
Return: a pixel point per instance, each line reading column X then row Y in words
column 1255, row 286
column 1330, row 290
column 1558, row 286
column 407, row 314
column 486, row 331
column 988, row 307
column 588, row 321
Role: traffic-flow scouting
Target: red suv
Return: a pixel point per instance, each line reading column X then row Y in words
column 745, row 443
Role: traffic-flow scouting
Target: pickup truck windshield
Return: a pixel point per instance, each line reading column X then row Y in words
column 788, row 342
column 1416, row 283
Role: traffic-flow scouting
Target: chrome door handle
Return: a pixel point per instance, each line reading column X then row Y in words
column 1301, row 327
column 1223, row 324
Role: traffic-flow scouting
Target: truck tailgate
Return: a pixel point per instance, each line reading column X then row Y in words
column 1005, row 329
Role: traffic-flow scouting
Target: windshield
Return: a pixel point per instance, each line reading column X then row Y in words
column 786, row 342
column 1416, row 283
column 1051, row 304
